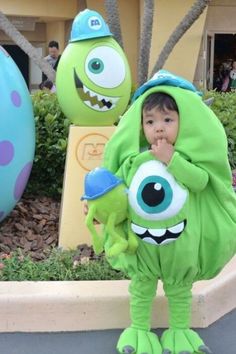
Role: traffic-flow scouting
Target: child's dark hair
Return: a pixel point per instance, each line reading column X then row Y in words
column 160, row 100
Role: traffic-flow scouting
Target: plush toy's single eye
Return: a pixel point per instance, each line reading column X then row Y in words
column 154, row 194
column 105, row 67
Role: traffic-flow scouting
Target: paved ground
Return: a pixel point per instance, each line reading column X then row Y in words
column 220, row 337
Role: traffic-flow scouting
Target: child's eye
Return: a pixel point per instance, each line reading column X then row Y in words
column 149, row 121
column 168, row 120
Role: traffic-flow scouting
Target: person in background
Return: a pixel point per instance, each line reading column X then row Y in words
column 225, row 76
column 49, row 85
column 53, row 56
column 233, row 77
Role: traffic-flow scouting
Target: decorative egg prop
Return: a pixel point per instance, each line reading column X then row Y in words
column 93, row 78
column 17, row 134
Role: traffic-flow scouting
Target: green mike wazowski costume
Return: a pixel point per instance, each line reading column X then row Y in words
column 183, row 214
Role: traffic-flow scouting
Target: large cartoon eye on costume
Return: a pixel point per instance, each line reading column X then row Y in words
column 105, row 67
column 154, row 194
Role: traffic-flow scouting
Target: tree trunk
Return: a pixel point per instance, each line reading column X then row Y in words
column 145, row 41
column 113, row 20
column 81, row 5
column 25, row 45
column 193, row 14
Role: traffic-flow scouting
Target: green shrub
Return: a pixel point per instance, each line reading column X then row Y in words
column 224, row 106
column 59, row 266
column 51, row 143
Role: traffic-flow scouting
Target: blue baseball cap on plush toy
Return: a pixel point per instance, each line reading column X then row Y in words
column 98, row 182
column 88, row 24
column 164, row 77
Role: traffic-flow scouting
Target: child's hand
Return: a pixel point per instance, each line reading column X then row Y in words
column 163, row 150
column 86, row 212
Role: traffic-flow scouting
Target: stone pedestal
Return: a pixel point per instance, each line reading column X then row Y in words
column 84, row 152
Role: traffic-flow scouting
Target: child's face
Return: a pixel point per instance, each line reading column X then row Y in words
column 160, row 125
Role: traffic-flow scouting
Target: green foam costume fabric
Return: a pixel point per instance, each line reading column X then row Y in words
column 199, row 203
column 199, row 164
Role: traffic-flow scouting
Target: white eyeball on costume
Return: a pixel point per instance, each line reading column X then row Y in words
column 154, row 194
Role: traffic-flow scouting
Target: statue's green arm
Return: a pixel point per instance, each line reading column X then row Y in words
column 190, row 175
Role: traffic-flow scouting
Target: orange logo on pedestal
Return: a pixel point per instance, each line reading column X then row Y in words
column 89, row 150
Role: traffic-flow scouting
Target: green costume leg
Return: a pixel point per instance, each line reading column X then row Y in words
column 142, row 296
column 179, row 339
column 138, row 339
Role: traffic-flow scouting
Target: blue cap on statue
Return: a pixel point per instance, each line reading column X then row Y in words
column 88, row 24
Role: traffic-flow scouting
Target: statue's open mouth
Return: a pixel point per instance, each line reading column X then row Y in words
column 93, row 99
column 159, row 236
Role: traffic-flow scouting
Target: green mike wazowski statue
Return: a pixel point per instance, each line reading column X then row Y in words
column 93, row 77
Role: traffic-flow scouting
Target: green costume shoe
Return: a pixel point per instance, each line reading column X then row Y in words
column 138, row 339
column 179, row 339
column 139, row 342
column 182, row 341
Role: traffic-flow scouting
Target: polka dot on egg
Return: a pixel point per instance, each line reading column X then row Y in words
column 2, row 214
column 21, row 180
column 16, row 98
column 6, row 152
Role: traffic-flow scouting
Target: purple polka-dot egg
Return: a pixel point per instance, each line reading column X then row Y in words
column 17, row 134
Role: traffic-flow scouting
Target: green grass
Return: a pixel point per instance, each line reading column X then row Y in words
column 60, row 265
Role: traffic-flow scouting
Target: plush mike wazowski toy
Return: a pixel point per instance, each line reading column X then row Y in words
column 107, row 200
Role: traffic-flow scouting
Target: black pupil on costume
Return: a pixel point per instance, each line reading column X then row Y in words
column 96, row 65
column 152, row 196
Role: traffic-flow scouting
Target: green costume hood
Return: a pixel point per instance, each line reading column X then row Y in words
column 201, row 140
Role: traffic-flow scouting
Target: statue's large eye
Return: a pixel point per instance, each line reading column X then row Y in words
column 96, row 66
column 105, row 67
column 154, row 194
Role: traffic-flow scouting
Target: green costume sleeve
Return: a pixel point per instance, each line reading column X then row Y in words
column 192, row 176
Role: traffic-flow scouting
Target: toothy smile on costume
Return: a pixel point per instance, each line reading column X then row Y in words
column 183, row 214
